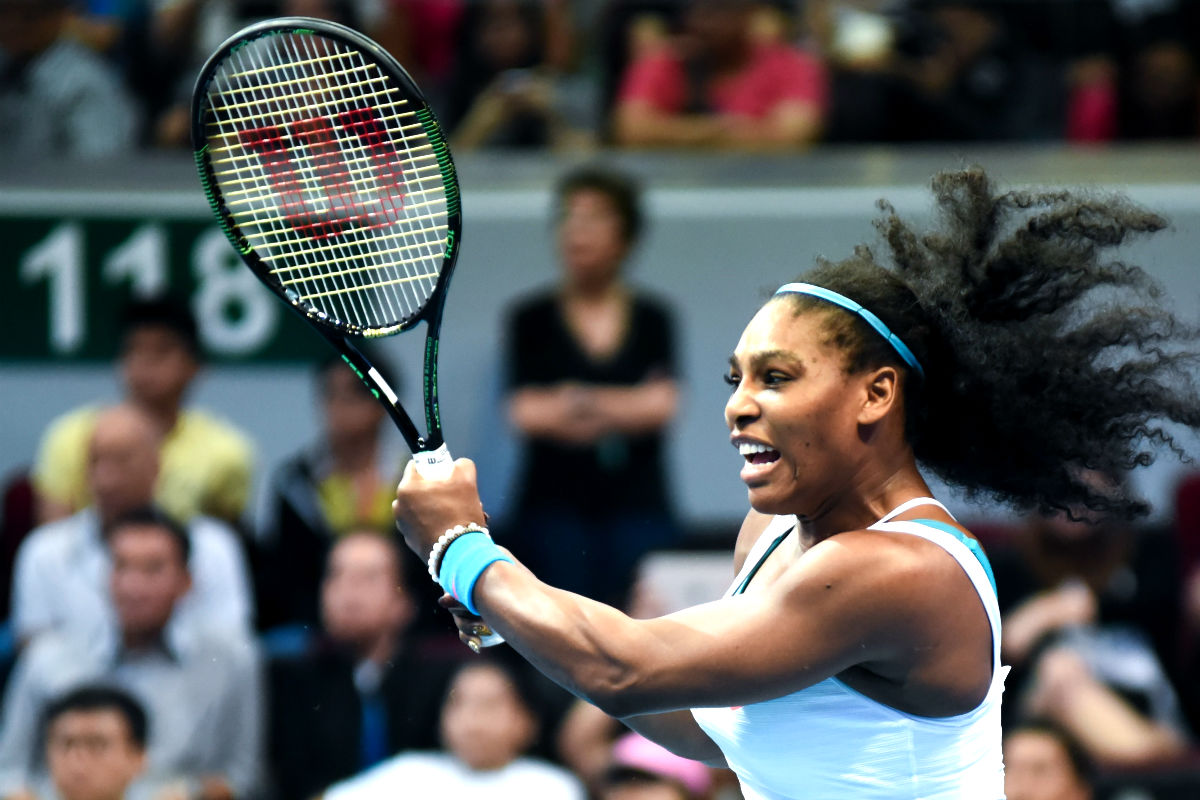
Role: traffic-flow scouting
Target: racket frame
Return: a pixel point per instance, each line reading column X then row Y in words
column 428, row 449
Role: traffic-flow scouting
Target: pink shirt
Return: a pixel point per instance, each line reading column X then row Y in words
column 774, row 75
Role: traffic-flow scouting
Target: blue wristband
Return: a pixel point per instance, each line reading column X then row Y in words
column 464, row 561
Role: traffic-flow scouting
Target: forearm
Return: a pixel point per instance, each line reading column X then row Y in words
column 644, row 127
column 594, row 651
column 643, row 408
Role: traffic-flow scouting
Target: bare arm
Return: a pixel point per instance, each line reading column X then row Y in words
column 582, row 414
column 792, row 124
column 838, row 613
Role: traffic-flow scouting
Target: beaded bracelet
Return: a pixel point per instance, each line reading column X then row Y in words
column 439, row 547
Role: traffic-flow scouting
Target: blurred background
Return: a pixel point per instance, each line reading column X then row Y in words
column 761, row 135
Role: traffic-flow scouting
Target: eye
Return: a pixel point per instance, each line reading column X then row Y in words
column 732, row 379
column 774, row 378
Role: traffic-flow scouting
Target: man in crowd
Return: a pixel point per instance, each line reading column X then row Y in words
column 205, row 464
column 201, row 688
column 95, row 743
column 61, row 573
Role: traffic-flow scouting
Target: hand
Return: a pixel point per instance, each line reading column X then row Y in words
column 471, row 629
column 425, row 508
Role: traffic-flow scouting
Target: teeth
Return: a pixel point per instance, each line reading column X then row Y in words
column 751, row 448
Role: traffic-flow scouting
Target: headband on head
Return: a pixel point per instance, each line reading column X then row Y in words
column 845, row 302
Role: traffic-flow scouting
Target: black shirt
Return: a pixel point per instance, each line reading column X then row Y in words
column 618, row 472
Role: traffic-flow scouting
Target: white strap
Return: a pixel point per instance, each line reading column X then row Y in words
column 916, row 501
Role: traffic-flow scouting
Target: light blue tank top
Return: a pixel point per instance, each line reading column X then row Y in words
column 828, row 742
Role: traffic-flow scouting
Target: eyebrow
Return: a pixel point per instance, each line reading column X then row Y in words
column 761, row 357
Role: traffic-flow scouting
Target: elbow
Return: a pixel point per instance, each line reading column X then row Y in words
column 613, row 688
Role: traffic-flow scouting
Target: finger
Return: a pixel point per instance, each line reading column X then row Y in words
column 471, row 642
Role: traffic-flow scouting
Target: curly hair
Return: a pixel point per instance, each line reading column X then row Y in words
column 1043, row 362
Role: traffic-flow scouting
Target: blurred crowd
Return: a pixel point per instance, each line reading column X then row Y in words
column 96, row 77
column 169, row 642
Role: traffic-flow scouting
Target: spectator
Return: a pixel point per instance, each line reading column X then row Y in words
column 488, row 720
column 182, row 34
column 963, row 73
column 1044, row 762
column 504, row 89
column 721, row 86
column 1076, row 617
column 205, row 463
column 61, row 573
column 344, row 481
column 591, row 378
column 642, row 770
column 201, row 688
column 58, row 98
column 362, row 692
column 95, row 743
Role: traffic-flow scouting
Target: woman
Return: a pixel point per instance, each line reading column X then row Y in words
column 857, row 652
column 591, row 368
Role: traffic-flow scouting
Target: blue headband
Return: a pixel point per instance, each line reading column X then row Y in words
column 845, row 302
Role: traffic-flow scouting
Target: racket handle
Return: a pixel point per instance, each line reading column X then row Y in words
column 434, row 464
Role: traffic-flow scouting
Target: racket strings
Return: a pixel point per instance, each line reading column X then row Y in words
column 331, row 176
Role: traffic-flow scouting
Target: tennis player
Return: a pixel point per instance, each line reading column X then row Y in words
column 857, row 653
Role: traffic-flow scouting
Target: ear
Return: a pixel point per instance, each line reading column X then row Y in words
column 881, row 393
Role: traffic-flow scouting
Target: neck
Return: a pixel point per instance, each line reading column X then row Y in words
column 141, row 640
column 597, row 293
column 872, row 494
column 165, row 414
column 379, row 650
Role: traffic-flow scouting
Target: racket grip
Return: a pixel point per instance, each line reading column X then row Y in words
column 434, row 464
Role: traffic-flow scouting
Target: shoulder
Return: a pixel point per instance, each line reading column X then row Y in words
column 534, row 306
column 555, row 781
column 72, row 427
column 199, row 428
column 754, row 526
column 383, row 779
column 652, row 306
column 894, row 579
column 54, row 539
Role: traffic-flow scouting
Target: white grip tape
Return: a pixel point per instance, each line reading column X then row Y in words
column 434, row 464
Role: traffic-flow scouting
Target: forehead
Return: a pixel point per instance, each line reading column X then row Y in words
column 776, row 328
column 107, row 721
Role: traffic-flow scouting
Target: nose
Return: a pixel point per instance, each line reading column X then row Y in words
column 740, row 408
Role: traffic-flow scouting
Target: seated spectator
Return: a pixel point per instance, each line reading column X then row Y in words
column 58, row 98
column 1044, row 762
column 503, row 92
column 718, row 85
column 95, row 743
column 181, row 34
column 488, row 720
column 639, row 769
column 206, row 464
column 201, row 689
column 342, row 482
column 61, row 573
column 1079, row 611
column 360, row 693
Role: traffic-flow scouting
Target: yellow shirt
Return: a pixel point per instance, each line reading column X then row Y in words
column 205, row 465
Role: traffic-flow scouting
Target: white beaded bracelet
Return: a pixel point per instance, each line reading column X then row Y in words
column 439, row 547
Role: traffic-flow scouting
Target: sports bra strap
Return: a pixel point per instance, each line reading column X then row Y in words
column 971, row 544
column 915, row 502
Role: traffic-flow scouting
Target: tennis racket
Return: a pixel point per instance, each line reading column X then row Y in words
column 330, row 175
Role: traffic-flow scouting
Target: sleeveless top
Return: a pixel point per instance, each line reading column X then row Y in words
column 829, row 742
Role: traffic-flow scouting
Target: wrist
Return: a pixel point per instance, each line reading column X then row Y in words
column 466, row 558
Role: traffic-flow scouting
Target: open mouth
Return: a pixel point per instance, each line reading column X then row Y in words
column 757, row 453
